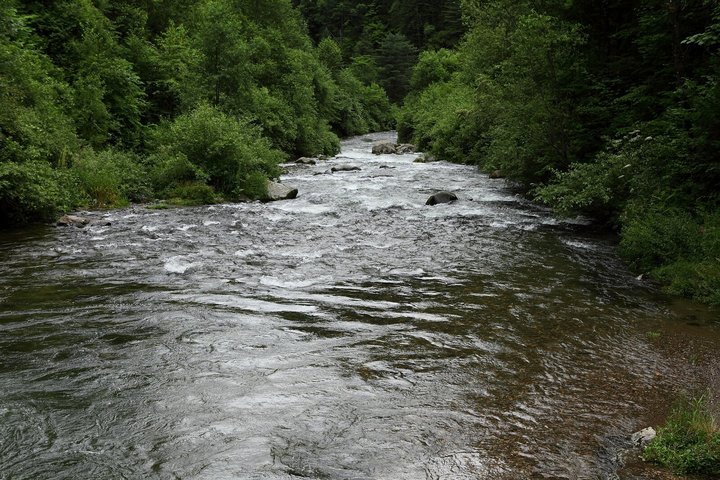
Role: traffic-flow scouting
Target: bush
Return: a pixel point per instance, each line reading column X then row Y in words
column 206, row 145
column 677, row 248
column 192, row 193
column 439, row 121
column 690, row 440
column 359, row 108
column 111, row 178
column 255, row 186
column 34, row 191
column 434, row 66
column 655, row 236
column 169, row 171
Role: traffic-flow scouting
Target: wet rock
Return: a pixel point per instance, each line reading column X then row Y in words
column 80, row 222
column 383, row 167
column 305, row 161
column 345, row 168
column 384, row 148
column 387, row 148
column 278, row 191
column 643, row 437
column 496, row 174
column 405, row 148
column 441, row 197
column 426, row 158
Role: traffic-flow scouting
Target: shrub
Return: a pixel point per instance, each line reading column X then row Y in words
column 658, row 236
column 192, row 193
column 207, row 145
column 34, row 191
column 434, row 66
column 360, row 108
column 690, row 440
column 677, row 248
column 170, row 170
column 439, row 121
column 111, row 178
column 255, row 186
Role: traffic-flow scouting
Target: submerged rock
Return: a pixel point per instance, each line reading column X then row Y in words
column 496, row 174
column 305, row 161
column 426, row 158
column 278, row 191
column 441, row 197
column 80, row 222
column 345, row 168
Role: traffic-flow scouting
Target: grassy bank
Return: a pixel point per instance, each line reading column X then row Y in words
column 689, row 442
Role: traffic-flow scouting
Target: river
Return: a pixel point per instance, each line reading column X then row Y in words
column 351, row 333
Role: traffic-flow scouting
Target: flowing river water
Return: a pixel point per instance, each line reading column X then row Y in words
column 351, row 333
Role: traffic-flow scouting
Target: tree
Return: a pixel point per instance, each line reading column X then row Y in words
column 395, row 58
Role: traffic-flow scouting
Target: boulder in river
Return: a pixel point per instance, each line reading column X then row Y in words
column 426, row 158
column 441, row 197
column 278, row 191
column 384, row 148
column 496, row 174
column 387, row 148
column 80, row 222
column 405, row 148
column 345, row 168
column 305, row 161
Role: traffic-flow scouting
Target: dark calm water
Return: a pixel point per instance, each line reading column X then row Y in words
column 352, row 333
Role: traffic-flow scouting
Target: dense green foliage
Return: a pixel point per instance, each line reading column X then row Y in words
column 689, row 442
column 608, row 110
column 110, row 102
column 382, row 39
column 210, row 147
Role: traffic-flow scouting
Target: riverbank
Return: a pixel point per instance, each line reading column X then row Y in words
column 694, row 356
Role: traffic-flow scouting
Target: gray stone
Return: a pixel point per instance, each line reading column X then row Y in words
column 405, row 148
column 441, row 197
column 643, row 437
column 305, row 161
column 278, row 191
column 80, row 222
column 426, row 158
column 345, row 168
column 496, row 174
column 384, row 148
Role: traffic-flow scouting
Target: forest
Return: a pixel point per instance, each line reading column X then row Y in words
column 605, row 109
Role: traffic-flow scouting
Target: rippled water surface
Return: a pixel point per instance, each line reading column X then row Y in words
column 352, row 333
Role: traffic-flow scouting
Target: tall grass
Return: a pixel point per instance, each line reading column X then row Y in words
column 689, row 442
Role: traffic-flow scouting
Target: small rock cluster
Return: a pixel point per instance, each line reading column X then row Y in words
column 80, row 222
column 387, row 148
